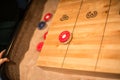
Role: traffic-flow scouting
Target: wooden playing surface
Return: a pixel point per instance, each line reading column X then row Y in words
column 95, row 45
column 53, row 51
column 109, row 58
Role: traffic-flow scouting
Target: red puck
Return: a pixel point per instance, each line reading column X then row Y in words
column 47, row 17
column 64, row 36
column 45, row 35
column 39, row 46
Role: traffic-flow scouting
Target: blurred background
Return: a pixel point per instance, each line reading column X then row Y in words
column 11, row 13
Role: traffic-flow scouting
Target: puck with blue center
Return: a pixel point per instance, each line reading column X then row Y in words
column 41, row 25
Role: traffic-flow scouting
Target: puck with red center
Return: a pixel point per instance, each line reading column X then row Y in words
column 47, row 16
column 45, row 35
column 65, row 37
column 39, row 46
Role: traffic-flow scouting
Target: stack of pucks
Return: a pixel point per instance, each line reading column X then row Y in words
column 65, row 37
column 41, row 26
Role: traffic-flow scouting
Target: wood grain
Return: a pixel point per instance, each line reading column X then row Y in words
column 96, row 38
column 84, row 47
column 109, row 59
column 53, row 51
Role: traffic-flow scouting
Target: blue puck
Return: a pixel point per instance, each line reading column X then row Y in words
column 41, row 25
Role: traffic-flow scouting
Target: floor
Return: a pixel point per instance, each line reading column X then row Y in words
column 23, row 54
